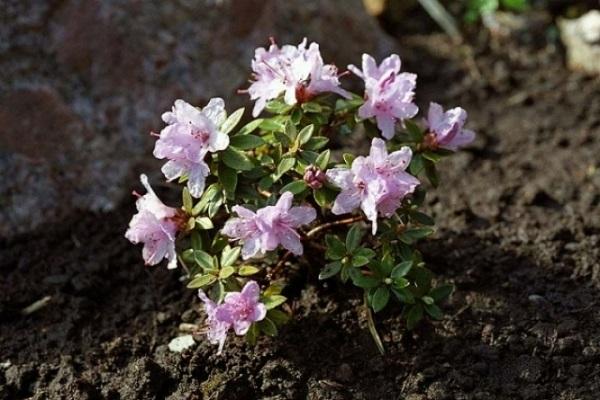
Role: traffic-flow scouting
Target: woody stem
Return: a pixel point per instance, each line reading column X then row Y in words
column 310, row 234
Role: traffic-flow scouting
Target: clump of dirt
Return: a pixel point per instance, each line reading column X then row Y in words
column 519, row 232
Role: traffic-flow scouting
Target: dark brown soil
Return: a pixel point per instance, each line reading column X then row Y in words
column 519, row 230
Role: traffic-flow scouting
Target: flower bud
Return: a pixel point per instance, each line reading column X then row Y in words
column 314, row 177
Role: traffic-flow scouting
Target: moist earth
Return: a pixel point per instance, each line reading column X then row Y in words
column 518, row 234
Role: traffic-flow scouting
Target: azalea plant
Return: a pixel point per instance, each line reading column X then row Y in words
column 279, row 192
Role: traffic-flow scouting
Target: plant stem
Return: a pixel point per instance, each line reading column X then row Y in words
column 309, row 234
column 371, row 325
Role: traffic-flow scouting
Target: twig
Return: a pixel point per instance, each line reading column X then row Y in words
column 37, row 305
column 446, row 21
column 310, row 234
column 328, row 225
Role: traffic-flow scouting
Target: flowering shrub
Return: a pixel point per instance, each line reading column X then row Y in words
column 274, row 191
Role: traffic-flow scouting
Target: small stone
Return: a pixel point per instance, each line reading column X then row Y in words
column 581, row 37
column 344, row 373
column 181, row 343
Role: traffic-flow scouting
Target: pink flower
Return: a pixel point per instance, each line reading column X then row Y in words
column 238, row 310
column 155, row 225
column 377, row 183
column 296, row 71
column 447, row 127
column 190, row 134
column 388, row 93
column 269, row 227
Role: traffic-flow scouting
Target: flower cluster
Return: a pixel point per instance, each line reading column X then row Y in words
column 258, row 196
column 238, row 310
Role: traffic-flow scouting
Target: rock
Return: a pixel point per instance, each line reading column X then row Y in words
column 181, row 343
column 581, row 37
column 83, row 83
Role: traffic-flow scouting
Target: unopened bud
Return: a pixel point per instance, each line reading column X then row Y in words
column 314, row 177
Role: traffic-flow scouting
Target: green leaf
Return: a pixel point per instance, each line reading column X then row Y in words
column 415, row 132
column 278, row 317
column 359, row 261
column 236, row 159
column 414, row 315
column 347, row 105
column 364, row 252
column 431, row 156
column 441, row 292
column 252, row 334
column 250, row 127
column 230, row 255
column 202, row 281
column 305, row 134
column 296, row 115
column 354, row 237
column 214, row 206
column 273, row 301
column 186, row 198
column 380, row 298
column 336, row 250
column 422, row 277
column 229, row 179
column 248, row 270
column 226, row 272
column 290, row 130
column 416, row 164
column 431, row 174
column 348, row 159
column 330, row 270
column 282, row 138
column 246, row 142
column 196, row 241
column 232, row 121
column 285, row 165
column 274, row 124
column 316, row 143
column 434, row 311
column 515, row 5
column 217, row 292
column 363, row 281
column 418, row 233
column 268, row 327
column 401, row 269
column 203, row 259
column 324, row 196
column 422, row 218
column 323, row 159
column 204, row 223
column 404, row 295
column 274, row 289
column 427, row 300
column 209, row 194
column 311, row 107
column 296, row 187
column 401, row 283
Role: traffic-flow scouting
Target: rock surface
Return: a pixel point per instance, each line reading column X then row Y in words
column 83, row 82
column 581, row 37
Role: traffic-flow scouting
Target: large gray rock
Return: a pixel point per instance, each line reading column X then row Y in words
column 83, row 82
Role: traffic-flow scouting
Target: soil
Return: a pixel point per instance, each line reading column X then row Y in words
column 519, row 235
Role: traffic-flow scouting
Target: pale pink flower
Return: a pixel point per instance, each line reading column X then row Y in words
column 447, row 127
column 269, row 227
column 155, row 225
column 388, row 93
column 376, row 183
column 296, row 71
column 238, row 310
column 190, row 134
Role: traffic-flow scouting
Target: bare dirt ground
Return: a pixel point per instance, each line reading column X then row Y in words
column 519, row 229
